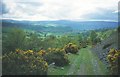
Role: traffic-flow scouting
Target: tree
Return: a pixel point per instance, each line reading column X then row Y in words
column 93, row 37
column 14, row 39
column 34, row 42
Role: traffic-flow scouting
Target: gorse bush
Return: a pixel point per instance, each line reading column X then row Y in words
column 113, row 58
column 57, row 56
column 71, row 48
column 24, row 63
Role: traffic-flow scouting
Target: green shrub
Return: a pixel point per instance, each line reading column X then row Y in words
column 14, row 39
column 57, row 56
column 94, row 38
column 65, row 39
column 33, row 42
column 83, row 44
column 24, row 63
column 50, row 41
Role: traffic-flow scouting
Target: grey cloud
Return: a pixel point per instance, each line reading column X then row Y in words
column 103, row 14
column 3, row 8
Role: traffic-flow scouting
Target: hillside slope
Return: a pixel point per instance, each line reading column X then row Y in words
column 102, row 49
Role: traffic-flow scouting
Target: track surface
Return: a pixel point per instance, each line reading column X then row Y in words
column 84, row 63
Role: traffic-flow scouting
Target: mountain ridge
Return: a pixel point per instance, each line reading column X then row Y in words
column 61, row 24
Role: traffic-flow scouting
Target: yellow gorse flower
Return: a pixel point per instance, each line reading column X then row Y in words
column 49, row 48
column 42, row 52
column 112, row 50
column 113, row 54
column 46, row 64
column 24, row 52
column 18, row 50
column 57, row 49
column 30, row 51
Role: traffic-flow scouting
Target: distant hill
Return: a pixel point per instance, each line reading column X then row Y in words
column 60, row 25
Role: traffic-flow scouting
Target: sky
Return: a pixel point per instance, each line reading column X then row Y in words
column 76, row 10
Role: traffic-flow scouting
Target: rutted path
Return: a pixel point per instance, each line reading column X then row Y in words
column 72, row 70
column 91, row 65
column 85, row 63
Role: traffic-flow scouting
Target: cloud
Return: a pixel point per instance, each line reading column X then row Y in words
column 3, row 9
column 103, row 14
column 60, row 9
